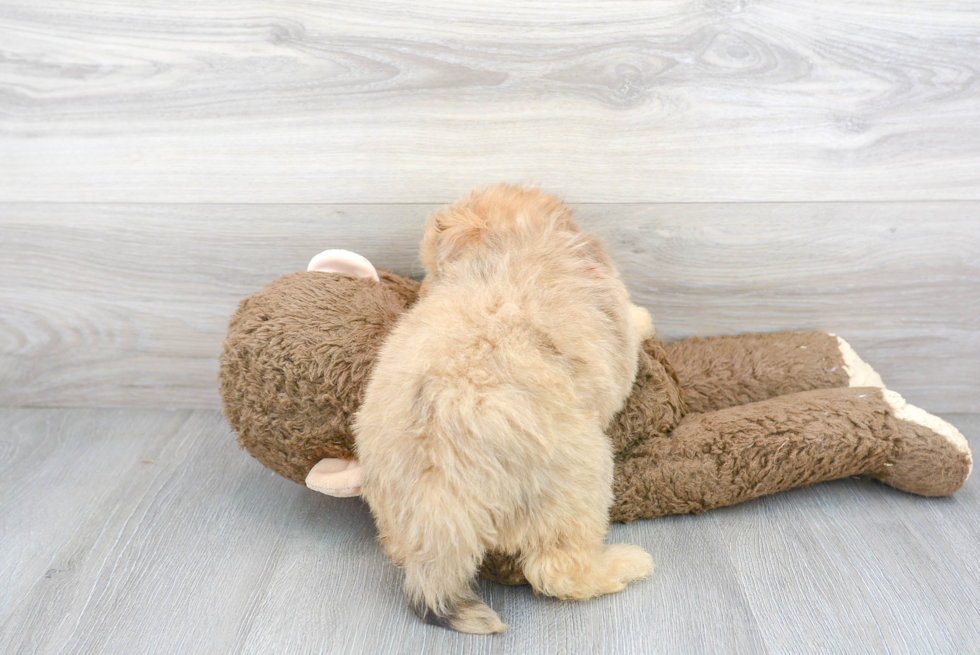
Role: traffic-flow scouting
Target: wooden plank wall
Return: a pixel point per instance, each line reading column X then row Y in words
column 754, row 166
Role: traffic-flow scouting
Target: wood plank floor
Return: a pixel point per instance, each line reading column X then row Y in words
column 148, row 531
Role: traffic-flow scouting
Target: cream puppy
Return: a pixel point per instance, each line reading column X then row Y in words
column 483, row 424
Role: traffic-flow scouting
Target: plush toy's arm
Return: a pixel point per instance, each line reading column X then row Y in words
column 728, row 371
column 735, row 454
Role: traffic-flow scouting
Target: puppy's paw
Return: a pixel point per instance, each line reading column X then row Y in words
column 628, row 563
column 642, row 323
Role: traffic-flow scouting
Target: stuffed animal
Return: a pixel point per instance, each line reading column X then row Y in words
column 709, row 423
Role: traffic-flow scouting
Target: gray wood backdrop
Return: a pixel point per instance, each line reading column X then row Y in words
column 754, row 166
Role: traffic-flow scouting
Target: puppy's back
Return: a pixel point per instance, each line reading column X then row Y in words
column 483, row 421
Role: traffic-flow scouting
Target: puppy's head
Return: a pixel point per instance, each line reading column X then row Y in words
column 487, row 219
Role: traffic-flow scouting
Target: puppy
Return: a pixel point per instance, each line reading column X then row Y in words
column 483, row 424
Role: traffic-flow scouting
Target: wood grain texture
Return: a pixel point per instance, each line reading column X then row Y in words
column 44, row 460
column 339, row 101
column 203, row 551
column 855, row 544
column 116, row 305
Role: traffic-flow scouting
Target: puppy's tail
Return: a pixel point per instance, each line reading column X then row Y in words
column 440, row 565
column 466, row 614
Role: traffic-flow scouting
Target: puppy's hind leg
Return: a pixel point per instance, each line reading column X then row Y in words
column 440, row 569
column 566, row 556
column 584, row 571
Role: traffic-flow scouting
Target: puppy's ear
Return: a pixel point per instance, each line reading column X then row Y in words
column 448, row 233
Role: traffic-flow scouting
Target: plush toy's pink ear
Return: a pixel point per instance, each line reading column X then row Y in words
column 343, row 261
column 335, row 477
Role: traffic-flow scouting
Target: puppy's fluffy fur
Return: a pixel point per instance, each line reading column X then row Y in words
column 483, row 424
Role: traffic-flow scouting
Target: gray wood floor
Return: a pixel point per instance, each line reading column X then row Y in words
column 148, row 531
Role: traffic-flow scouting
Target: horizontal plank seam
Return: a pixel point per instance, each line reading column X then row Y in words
column 12, row 203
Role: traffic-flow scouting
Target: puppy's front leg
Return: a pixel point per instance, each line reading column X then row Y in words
column 642, row 323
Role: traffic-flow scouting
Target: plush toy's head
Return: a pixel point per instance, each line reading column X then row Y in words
column 297, row 358
column 299, row 354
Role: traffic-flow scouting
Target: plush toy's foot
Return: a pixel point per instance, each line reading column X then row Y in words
column 859, row 372
column 931, row 457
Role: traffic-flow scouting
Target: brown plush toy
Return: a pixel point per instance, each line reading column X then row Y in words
column 710, row 422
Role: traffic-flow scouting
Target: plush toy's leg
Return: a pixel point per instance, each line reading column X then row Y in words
column 736, row 454
column 732, row 455
column 728, row 371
